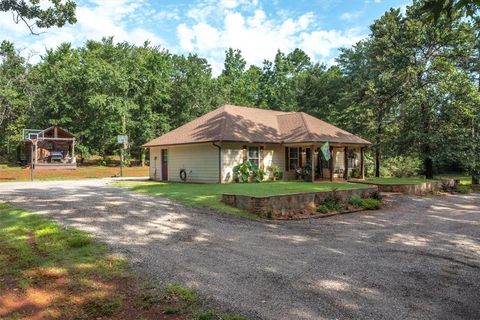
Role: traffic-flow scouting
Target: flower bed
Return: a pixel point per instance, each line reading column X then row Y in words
column 296, row 205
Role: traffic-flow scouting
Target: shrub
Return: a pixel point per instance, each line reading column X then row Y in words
column 246, row 170
column 331, row 203
column 356, row 173
column 355, row 201
column 463, row 189
column 365, row 203
column 401, row 166
column 306, row 172
column 322, row 208
column 275, row 171
column 371, row 204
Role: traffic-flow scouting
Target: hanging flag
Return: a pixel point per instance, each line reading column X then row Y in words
column 326, row 151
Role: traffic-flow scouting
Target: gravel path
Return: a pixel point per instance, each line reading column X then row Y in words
column 418, row 258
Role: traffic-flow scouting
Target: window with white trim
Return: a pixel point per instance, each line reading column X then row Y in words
column 254, row 155
column 293, row 158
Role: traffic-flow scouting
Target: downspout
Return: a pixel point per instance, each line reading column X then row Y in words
column 219, row 161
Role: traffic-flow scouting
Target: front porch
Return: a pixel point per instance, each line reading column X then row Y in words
column 307, row 162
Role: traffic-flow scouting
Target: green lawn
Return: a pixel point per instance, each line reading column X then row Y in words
column 464, row 179
column 209, row 195
column 51, row 272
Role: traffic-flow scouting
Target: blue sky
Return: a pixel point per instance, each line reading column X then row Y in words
column 207, row 27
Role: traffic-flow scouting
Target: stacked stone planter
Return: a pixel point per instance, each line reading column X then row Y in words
column 283, row 205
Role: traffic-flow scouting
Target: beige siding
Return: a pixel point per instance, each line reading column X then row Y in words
column 200, row 159
column 232, row 155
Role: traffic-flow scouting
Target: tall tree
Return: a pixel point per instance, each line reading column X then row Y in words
column 193, row 92
column 13, row 98
column 376, row 78
column 36, row 15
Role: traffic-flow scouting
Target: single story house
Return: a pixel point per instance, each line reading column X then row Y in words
column 208, row 147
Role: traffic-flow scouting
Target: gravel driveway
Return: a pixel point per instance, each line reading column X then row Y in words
column 418, row 258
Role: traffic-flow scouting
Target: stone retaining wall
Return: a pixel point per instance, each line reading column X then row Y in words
column 414, row 188
column 281, row 205
column 417, row 188
column 475, row 188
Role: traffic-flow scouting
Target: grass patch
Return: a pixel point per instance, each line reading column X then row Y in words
column 51, row 272
column 464, row 179
column 209, row 195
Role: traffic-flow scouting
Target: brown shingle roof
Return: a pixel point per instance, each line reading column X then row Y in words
column 243, row 124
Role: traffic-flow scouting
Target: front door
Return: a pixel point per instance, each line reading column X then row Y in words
column 164, row 164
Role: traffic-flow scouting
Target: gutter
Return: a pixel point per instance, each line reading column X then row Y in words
column 219, row 161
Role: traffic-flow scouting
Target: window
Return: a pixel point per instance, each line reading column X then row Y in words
column 254, row 155
column 293, row 158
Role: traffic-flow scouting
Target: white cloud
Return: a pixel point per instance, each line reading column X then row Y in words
column 350, row 16
column 95, row 19
column 208, row 28
column 258, row 36
column 321, row 43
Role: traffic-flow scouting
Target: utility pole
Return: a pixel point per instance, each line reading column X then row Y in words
column 32, row 165
column 123, row 143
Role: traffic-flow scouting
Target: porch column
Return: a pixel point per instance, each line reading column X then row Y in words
column 362, row 163
column 332, row 163
column 73, row 151
column 345, row 169
column 312, row 158
column 245, row 153
column 261, row 157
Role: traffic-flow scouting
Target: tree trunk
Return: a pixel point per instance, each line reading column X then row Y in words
column 378, row 142
column 425, row 144
column 428, row 164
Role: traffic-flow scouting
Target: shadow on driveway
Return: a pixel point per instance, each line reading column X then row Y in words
column 416, row 258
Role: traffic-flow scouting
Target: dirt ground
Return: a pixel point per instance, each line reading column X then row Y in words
column 417, row 258
column 15, row 173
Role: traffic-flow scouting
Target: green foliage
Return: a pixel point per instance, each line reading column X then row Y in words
column 365, row 203
column 275, row 171
column 401, row 166
column 411, row 88
column 463, row 189
column 356, row 173
column 355, row 201
column 322, row 208
column 42, row 15
column 247, row 171
column 306, row 172
column 331, row 203
column 187, row 295
column 433, row 9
